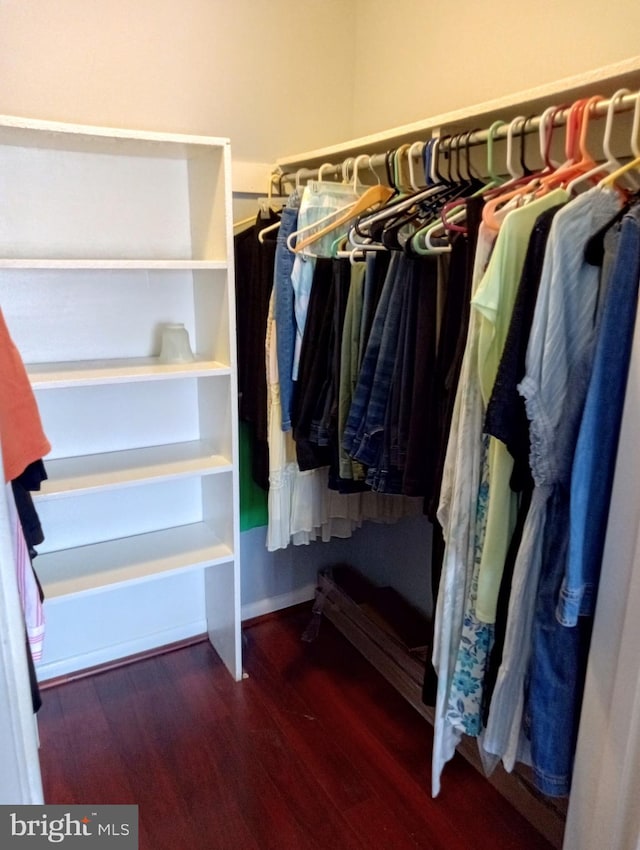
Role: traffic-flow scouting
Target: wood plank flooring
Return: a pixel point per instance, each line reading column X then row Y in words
column 314, row 751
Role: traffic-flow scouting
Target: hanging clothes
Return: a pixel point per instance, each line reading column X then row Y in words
column 254, row 265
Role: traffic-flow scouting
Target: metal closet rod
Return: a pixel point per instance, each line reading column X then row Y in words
column 460, row 139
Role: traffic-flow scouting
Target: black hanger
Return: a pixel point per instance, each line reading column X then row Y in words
column 526, row 171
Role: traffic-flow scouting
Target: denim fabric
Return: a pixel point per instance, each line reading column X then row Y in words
column 319, row 200
column 557, row 667
column 285, row 320
column 594, row 461
column 376, row 375
column 376, row 274
column 362, row 392
column 383, row 474
column 559, row 364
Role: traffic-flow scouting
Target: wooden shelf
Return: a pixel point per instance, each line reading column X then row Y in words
column 92, row 568
column 89, row 263
column 92, row 372
column 74, row 475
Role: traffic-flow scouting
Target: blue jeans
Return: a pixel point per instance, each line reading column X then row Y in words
column 365, row 425
column 553, row 674
column 594, row 461
column 283, row 306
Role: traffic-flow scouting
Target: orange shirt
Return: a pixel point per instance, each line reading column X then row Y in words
column 21, row 435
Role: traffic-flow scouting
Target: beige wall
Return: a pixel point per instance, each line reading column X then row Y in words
column 417, row 58
column 255, row 70
column 281, row 76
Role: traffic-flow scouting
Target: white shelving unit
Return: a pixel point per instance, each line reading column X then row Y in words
column 105, row 235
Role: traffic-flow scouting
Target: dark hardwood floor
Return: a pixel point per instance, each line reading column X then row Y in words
column 314, row 751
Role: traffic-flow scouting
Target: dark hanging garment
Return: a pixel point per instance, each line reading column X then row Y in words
column 506, row 419
column 254, row 265
column 26, row 483
column 451, row 344
column 310, row 390
column 416, row 427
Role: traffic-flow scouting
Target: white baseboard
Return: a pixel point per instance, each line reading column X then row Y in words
column 276, row 603
column 104, row 655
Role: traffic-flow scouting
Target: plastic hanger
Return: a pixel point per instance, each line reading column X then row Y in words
column 270, row 202
column 401, row 176
column 611, row 162
column 634, row 164
column 575, row 146
column 373, row 196
column 323, row 167
column 514, row 188
column 635, row 131
column 545, row 136
column 415, row 152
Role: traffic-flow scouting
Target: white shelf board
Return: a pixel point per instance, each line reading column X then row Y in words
column 15, row 130
column 91, row 372
column 193, row 265
column 110, row 470
column 92, row 568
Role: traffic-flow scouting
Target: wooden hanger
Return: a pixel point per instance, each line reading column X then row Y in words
column 372, row 197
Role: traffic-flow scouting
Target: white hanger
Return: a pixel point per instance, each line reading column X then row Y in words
column 323, row 167
column 635, row 131
column 542, row 135
column 357, row 186
column 346, row 165
column 513, row 124
column 416, row 147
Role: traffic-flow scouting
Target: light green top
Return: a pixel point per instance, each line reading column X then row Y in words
column 494, row 300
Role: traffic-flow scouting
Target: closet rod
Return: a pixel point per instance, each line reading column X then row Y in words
column 532, row 124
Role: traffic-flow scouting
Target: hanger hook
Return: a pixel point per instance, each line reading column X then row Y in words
column 552, row 119
column 299, row 178
column 513, row 125
column 415, row 151
column 526, row 171
column 454, row 152
column 437, row 177
column 388, row 161
column 584, row 124
column 544, row 135
column 491, row 136
column 346, row 165
column 323, row 167
column 574, row 125
column 371, row 168
column 427, row 161
column 471, row 173
column 635, row 130
column 361, row 158
column 608, row 127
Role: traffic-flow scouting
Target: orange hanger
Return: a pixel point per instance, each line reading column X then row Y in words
column 576, row 146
